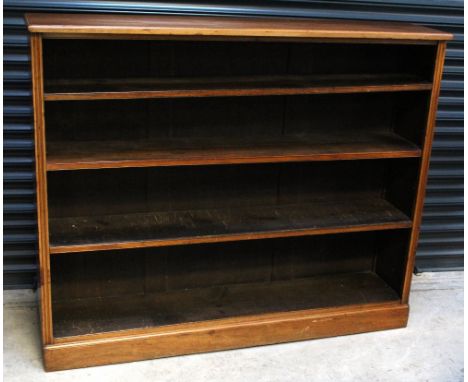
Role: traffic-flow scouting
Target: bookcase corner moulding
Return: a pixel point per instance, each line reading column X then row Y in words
column 209, row 183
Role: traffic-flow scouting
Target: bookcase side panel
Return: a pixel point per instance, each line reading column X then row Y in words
column 424, row 168
column 41, row 189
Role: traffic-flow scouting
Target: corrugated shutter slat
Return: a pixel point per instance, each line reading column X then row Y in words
column 441, row 244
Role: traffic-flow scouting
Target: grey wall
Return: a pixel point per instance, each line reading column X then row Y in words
column 441, row 244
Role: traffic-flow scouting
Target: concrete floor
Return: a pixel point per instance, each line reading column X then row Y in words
column 429, row 349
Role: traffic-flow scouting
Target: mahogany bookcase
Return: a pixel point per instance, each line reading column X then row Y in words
column 208, row 183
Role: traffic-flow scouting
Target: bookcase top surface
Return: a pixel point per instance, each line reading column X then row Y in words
column 220, row 26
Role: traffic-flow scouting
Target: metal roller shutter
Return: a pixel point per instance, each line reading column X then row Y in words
column 441, row 244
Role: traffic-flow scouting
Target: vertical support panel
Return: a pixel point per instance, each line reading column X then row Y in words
column 426, row 155
column 41, row 188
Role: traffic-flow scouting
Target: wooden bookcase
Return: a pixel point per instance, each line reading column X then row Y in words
column 208, row 183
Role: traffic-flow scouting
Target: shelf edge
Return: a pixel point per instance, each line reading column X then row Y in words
column 62, row 249
column 143, row 94
column 95, row 165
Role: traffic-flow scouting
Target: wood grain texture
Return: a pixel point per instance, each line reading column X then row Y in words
column 41, row 189
column 153, row 37
column 179, row 298
column 79, row 90
column 63, row 24
column 156, row 229
column 97, row 315
column 424, row 168
column 225, row 334
column 66, row 155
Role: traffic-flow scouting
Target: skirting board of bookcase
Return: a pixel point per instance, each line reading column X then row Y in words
column 223, row 334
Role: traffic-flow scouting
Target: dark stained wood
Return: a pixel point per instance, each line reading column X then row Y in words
column 165, row 189
column 91, row 233
column 157, row 270
column 204, row 151
column 252, row 120
column 389, row 262
column 68, row 90
column 87, row 316
column 59, row 24
column 188, row 63
column 424, row 168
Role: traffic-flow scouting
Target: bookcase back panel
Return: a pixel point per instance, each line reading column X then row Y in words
column 336, row 116
column 205, row 265
column 107, row 192
column 210, row 280
column 168, row 59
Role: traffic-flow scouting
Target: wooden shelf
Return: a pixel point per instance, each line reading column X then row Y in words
column 156, row 229
column 205, row 151
column 86, row 89
column 98, row 315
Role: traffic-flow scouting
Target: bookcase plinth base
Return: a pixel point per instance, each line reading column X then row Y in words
column 143, row 344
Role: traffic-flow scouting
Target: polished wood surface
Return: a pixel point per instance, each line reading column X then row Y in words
column 41, row 189
column 224, row 334
column 164, row 254
column 73, row 90
column 63, row 24
column 65, row 155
